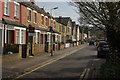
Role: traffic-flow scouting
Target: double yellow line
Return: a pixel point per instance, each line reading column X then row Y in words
column 85, row 74
column 49, row 62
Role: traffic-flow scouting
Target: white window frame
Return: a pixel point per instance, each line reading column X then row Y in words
column 5, row 13
column 42, row 21
column 27, row 14
column 36, row 32
column 23, row 37
column 18, row 28
column 19, row 40
column 35, row 18
column 15, row 14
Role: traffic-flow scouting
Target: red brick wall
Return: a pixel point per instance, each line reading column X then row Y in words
column 11, row 11
column 1, row 9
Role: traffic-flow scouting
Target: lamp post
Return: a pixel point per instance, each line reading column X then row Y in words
column 51, row 30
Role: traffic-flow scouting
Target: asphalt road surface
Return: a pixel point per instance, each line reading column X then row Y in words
column 72, row 66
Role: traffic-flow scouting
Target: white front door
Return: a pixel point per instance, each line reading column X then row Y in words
column 0, row 41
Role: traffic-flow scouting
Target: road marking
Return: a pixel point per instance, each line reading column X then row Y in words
column 50, row 61
column 86, row 76
column 83, row 73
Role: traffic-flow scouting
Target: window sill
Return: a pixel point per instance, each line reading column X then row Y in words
column 28, row 21
column 34, row 22
column 6, row 15
column 16, row 17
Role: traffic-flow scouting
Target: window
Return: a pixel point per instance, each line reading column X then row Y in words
column 22, row 36
column 16, row 10
column 17, row 36
column 42, row 20
column 6, row 7
column 34, row 17
column 29, row 15
column 41, row 39
column 38, row 37
column 46, row 21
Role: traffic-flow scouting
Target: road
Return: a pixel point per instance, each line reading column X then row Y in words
column 73, row 66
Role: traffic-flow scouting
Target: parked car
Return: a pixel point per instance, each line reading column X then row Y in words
column 97, row 42
column 91, row 42
column 102, row 49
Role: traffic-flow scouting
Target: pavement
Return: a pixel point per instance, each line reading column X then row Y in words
column 75, row 62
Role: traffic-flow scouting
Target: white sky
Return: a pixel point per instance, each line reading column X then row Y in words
column 64, row 9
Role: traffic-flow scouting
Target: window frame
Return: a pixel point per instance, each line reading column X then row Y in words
column 6, row 7
column 17, row 36
column 16, row 12
column 35, row 17
column 28, row 9
column 23, row 36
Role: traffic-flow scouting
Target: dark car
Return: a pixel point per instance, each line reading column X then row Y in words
column 91, row 42
column 102, row 49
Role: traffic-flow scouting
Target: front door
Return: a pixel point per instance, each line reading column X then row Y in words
column 46, row 43
column 0, row 41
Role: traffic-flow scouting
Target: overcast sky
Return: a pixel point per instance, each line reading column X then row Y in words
column 64, row 9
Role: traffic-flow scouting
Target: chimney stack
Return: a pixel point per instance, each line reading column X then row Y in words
column 32, row 1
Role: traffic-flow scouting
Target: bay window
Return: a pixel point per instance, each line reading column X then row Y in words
column 17, row 36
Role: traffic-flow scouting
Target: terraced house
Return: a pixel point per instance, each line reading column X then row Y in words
column 12, row 31
column 39, row 19
column 25, row 29
column 74, row 34
column 15, row 21
column 62, row 29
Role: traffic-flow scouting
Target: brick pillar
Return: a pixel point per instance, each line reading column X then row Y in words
column 27, row 50
column 20, row 51
column 33, row 48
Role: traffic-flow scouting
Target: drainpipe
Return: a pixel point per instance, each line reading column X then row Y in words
column 4, row 38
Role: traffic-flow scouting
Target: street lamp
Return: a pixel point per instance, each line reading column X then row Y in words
column 51, row 30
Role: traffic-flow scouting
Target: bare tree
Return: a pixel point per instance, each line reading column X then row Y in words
column 103, row 15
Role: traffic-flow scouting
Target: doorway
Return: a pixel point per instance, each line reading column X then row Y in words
column 46, row 43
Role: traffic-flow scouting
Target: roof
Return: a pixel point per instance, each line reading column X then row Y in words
column 63, row 20
column 55, row 31
column 12, row 22
column 39, row 28
column 36, row 8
